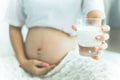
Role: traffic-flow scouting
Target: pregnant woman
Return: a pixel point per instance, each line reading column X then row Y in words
column 51, row 51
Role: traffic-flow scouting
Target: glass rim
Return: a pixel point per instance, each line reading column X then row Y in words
column 83, row 20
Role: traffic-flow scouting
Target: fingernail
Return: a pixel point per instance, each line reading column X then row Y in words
column 98, row 38
column 74, row 27
column 108, row 28
column 104, row 46
column 104, row 29
column 96, row 48
column 106, row 37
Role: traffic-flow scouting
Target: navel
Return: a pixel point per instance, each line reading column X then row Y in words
column 38, row 51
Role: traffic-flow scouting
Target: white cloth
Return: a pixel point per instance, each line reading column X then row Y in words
column 59, row 14
column 72, row 67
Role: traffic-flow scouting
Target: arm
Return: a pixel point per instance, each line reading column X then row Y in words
column 17, row 43
column 31, row 66
column 15, row 15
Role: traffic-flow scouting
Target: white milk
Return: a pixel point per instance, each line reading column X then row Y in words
column 86, row 35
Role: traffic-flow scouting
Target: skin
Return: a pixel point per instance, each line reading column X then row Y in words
column 31, row 65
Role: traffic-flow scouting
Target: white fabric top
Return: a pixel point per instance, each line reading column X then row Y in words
column 59, row 14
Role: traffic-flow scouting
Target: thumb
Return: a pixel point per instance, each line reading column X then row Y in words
column 74, row 27
column 44, row 70
column 41, row 63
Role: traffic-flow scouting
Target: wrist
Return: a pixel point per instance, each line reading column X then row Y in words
column 22, row 60
column 22, row 63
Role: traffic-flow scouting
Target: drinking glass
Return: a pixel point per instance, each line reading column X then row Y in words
column 87, row 30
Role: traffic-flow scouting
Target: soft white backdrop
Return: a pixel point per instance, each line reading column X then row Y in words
column 4, row 34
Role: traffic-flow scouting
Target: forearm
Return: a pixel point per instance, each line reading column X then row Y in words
column 95, row 14
column 17, row 43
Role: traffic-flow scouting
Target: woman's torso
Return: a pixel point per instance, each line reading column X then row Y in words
column 48, row 44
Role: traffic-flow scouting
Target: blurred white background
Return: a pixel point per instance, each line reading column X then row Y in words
column 4, row 33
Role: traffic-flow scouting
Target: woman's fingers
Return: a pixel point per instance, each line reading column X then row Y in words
column 39, row 67
column 105, row 28
column 74, row 27
column 101, row 47
column 96, row 57
column 40, row 63
column 98, row 49
column 43, row 70
column 103, row 37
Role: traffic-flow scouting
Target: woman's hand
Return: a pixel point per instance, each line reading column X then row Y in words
column 102, row 38
column 36, row 67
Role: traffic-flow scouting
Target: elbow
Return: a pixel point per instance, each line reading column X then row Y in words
column 13, row 28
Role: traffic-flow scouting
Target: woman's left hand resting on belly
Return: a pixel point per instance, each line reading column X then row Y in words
column 33, row 66
column 99, row 48
column 36, row 67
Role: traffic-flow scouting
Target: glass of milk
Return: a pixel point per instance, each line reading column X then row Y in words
column 87, row 30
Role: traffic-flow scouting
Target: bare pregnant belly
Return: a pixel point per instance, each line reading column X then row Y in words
column 48, row 44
